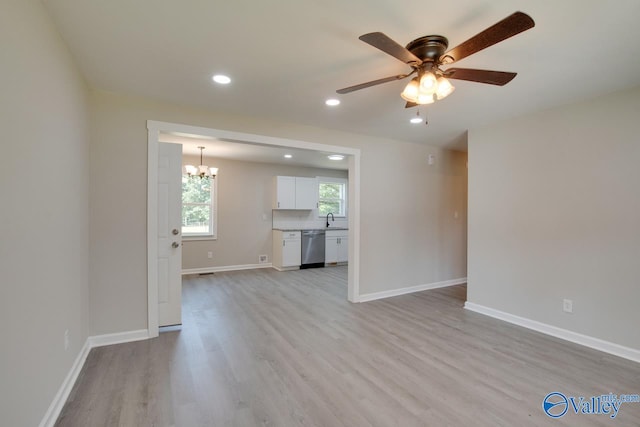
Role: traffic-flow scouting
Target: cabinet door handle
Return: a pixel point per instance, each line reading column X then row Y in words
column 283, row 242
column 278, row 204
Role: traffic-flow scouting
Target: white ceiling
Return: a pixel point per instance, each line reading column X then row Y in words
column 287, row 56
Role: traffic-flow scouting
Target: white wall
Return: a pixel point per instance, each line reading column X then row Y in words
column 554, row 210
column 409, row 234
column 44, row 212
column 244, row 195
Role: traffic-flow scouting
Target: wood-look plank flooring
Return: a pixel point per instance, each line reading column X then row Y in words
column 268, row 348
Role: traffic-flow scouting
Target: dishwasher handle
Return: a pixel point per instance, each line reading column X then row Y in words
column 313, row 233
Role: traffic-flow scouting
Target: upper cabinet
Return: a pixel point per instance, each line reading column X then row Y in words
column 292, row 192
column 306, row 193
column 285, row 192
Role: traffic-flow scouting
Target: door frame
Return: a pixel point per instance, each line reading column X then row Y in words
column 154, row 128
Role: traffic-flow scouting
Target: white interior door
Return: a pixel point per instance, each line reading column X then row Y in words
column 169, row 234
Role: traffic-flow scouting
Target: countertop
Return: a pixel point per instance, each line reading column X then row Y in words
column 311, row 229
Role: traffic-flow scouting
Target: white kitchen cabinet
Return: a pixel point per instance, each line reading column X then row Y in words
column 285, row 192
column 343, row 249
column 292, row 192
column 306, row 193
column 287, row 249
column 331, row 250
column 336, row 249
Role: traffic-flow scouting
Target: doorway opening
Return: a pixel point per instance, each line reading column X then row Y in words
column 158, row 131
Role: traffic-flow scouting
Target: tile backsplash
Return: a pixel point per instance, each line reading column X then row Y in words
column 287, row 219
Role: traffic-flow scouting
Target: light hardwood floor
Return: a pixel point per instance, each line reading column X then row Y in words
column 268, row 348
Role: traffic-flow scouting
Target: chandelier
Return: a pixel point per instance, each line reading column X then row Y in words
column 202, row 171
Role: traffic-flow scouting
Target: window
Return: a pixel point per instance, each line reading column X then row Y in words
column 199, row 207
column 332, row 196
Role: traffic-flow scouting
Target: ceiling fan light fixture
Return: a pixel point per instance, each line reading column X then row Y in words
column 428, row 83
column 411, row 90
column 421, row 90
column 426, row 54
column 424, row 98
column 445, row 88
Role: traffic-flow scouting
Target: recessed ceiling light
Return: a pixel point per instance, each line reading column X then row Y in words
column 332, row 102
column 415, row 120
column 222, row 79
column 288, row 156
column 335, row 157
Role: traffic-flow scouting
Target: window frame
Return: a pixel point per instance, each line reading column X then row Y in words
column 343, row 201
column 213, row 217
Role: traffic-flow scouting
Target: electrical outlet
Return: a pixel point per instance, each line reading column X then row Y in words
column 263, row 259
column 567, row 306
column 66, row 340
column 210, row 255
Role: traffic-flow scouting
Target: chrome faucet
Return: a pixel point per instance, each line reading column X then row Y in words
column 332, row 218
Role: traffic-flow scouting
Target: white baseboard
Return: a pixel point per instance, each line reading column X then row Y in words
column 118, row 338
column 585, row 340
column 62, row 395
column 410, row 289
column 225, row 268
column 286, row 268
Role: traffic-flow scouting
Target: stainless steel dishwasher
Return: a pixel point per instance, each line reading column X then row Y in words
column 313, row 248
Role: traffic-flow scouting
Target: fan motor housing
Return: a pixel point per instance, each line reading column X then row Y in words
column 428, row 48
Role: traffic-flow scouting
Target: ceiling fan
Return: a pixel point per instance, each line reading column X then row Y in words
column 426, row 55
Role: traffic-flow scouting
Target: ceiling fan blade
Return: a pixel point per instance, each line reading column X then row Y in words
column 499, row 78
column 508, row 27
column 410, row 104
column 372, row 83
column 389, row 46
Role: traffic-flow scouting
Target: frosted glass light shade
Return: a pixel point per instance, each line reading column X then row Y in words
column 428, row 83
column 410, row 92
column 425, row 98
column 201, row 171
column 444, row 88
column 426, row 89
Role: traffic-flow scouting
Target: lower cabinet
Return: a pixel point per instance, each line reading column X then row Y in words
column 336, row 248
column 287, row 250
